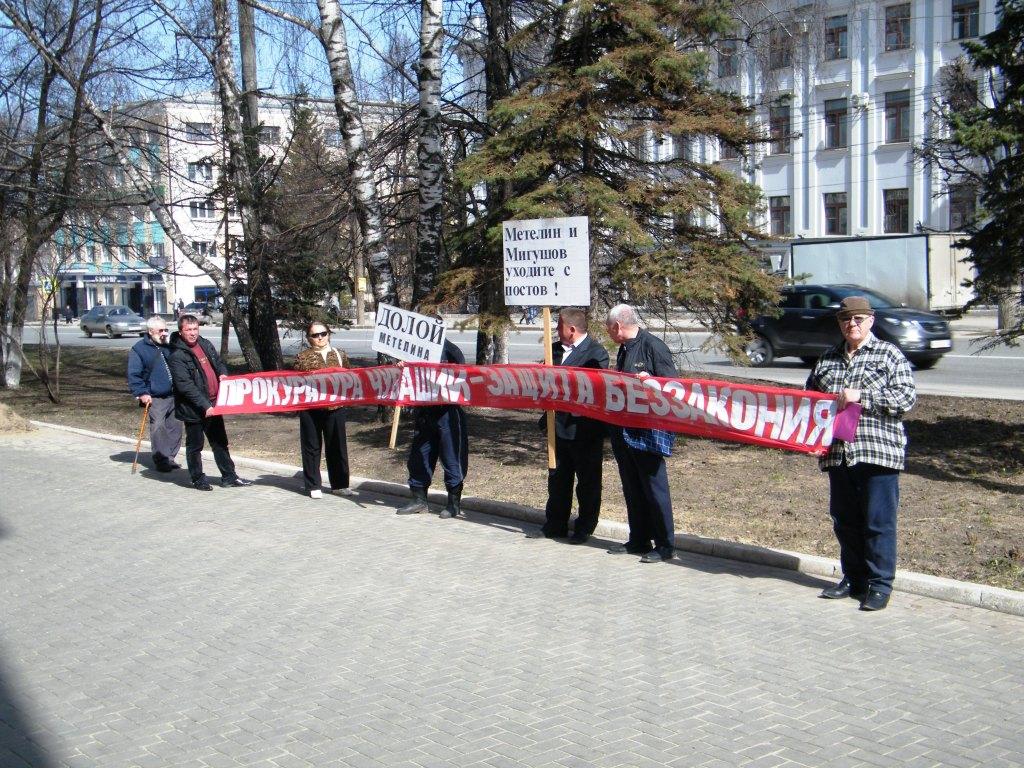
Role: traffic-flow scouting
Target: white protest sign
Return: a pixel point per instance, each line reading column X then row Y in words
column 547, row 262
column 408, row 336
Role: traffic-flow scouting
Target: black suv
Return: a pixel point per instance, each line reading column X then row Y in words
column 807, row 326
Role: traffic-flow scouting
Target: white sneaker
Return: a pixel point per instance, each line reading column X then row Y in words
column 316, row 494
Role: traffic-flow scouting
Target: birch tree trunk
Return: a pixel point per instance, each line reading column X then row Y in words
column 428, row 153
column 240, row 170
column 350, row 123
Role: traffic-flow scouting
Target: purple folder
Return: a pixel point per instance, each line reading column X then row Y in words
column 845, row 425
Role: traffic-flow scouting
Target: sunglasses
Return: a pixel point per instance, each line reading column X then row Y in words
column 856, row 320
column 319, row 335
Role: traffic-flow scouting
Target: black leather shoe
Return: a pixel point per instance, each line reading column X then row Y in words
column 164, row 468
column 202, row 485
column 654, row 556
column 875, row 600
column 579, row 538
column 843, row 589
column 237, row 482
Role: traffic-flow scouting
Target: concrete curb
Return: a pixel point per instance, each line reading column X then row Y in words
column 949, row 590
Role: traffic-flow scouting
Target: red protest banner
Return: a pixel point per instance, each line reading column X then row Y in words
column 795, row 420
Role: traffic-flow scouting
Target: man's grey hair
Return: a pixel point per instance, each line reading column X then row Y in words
column 624, row 315
column 153, row 321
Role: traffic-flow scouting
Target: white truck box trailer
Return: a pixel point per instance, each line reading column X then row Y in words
column 926, row 271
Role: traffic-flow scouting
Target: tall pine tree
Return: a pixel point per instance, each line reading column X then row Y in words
column 996, row 134
column 585, row 136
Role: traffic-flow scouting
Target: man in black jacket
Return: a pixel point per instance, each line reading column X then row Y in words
column 640, row 453
column 196, row 370
column 579, row 441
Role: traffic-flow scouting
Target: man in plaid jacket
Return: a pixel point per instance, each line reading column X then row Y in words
column 640, row 453
column 864, row 474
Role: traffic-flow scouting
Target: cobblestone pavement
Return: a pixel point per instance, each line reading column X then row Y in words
column 145, row 624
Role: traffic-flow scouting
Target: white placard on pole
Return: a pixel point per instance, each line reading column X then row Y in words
column 408, row 336
column 547, row 262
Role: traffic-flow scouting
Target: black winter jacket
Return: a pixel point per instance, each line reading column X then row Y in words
column 191, row 395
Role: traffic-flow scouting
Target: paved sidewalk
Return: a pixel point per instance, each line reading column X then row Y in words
column 145, row 624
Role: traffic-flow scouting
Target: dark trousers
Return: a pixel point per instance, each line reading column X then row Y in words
column 164, row 431
column 439, row 434
column 578, row 460
column 212, row 428
column 323, row 429
column 648, row 501
column 862, row 502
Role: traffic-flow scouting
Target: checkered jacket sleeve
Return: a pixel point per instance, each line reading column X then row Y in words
column 882, row 374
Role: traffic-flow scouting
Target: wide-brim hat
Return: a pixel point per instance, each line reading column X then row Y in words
column 854, row 305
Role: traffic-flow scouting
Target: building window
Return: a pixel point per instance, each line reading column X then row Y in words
column 836, row 38
column 837, row 124
column 202, row 209
column 204, row 248
column 198, row 131
column 897, row 209
column 781, row 218
column 965, row 19
column 727, row 151
column 200, row 171
column 270, row 134
column 836, row 214
column 780, row 48
column 728, row 58
column 963, row 205
column 780, row 129
column 897, row 27
column 897, row 116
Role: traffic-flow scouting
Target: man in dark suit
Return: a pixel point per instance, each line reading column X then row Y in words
column 579, row 441
column 640, row 453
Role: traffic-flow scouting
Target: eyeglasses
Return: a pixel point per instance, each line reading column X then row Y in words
column 319, row 335
column 856, row 319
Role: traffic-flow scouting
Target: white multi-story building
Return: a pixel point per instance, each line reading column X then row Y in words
column 178, row 144
column 844, row 89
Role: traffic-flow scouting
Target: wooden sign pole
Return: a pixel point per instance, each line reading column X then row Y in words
column 394, row 428
column 549, row 360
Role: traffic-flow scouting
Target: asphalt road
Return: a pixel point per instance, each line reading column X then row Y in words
column 964, row 372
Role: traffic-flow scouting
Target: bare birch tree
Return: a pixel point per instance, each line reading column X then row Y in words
column 429, row 155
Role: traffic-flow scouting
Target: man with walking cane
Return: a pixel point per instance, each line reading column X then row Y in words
column 149, row 380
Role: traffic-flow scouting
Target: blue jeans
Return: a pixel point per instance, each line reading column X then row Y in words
column 862, row 502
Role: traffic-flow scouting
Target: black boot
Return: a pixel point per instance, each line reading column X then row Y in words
column 454, row 506
column 417, row 504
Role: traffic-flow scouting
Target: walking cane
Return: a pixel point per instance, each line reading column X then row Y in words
column 138, row 443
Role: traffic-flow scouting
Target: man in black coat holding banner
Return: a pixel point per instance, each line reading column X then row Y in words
column 579, row 441
column 640, row 453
